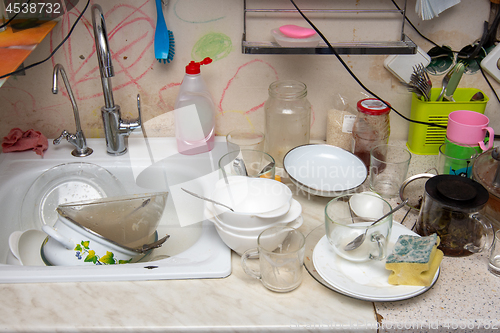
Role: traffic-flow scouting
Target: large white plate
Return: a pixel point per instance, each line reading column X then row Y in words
column 366, row 281
column 324, row 170
column 65, row 183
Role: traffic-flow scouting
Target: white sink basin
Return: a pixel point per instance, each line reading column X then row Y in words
column 194, row 249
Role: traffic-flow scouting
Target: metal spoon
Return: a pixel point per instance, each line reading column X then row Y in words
column 361, row 238
column 477, row 97
column 444, row 84
column 207, row 199
column 267, row 168
column 239, row 166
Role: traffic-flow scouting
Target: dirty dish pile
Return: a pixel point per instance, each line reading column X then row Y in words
column 129, row 220
column 105, row 231
column 258, row 203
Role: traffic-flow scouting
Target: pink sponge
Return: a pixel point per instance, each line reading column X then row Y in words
column 294, row 31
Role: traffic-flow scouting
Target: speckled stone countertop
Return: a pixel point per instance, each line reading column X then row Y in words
column 466, row 296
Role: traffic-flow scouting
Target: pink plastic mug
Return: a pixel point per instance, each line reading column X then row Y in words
column 469, row 127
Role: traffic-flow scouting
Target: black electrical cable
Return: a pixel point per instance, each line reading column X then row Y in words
column 355, row 77
column 15, row 15
column 418, row 32
column 54, row 51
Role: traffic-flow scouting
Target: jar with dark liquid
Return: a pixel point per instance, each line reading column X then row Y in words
column 371, row 128
column 452, row 208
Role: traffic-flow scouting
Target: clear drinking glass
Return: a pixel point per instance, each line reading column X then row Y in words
column 388, row 168
column 252, row 163
column 494, row 261
column 281, row 257
column 456, row 159
column 244, row 139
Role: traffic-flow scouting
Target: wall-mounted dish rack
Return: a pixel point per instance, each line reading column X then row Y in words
column 403, row 45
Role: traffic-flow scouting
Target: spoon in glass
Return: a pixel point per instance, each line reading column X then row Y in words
column 356, row 242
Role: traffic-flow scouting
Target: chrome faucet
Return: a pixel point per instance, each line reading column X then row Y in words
column 77, row 139
column 115, row 128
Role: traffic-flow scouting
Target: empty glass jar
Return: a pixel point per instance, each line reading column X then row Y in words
column 288, row 118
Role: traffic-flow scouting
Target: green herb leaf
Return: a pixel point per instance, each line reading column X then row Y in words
column 108, row 258
column 91, row 257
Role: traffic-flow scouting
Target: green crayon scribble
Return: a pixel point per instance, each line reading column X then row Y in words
column 193, row 21
column 213, row 45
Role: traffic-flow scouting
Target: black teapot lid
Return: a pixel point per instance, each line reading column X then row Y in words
column 456, row 191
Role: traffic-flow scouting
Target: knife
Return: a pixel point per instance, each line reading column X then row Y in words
column 458, row 71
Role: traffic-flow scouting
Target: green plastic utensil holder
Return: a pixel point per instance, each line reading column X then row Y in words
column 425, row 139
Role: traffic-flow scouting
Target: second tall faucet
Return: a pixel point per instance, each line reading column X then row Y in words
column 115, row 128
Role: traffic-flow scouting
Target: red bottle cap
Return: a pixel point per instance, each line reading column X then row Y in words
column 373, row 106
column 194, row 67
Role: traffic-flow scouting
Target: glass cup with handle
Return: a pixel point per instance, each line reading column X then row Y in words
column 281, row 257
column 343, row 223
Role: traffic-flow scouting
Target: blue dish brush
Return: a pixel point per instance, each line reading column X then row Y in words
column 164, row 38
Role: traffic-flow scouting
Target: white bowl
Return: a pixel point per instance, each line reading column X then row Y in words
column 241, row 243
column 294, row 213
column 367, row 204
column 251, row 221
column 70, row 244
column 324, row 170
column 247, row 220
column 251, row 196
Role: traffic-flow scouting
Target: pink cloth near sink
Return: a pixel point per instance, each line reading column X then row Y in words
column 17, row 140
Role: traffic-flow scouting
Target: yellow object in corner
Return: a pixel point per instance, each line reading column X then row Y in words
column 277, row 177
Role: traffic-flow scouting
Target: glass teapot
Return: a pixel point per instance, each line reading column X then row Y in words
column 452, row 208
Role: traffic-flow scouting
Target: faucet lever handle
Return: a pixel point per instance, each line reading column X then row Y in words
column 139, row 108
column 130, row 125
column 64, row 135
column 139, row 119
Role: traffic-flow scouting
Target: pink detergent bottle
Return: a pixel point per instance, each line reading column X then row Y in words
column 194, row 113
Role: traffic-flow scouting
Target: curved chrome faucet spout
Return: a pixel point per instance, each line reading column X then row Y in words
column 78, row 139
column 115, row 129
column 103, row 54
